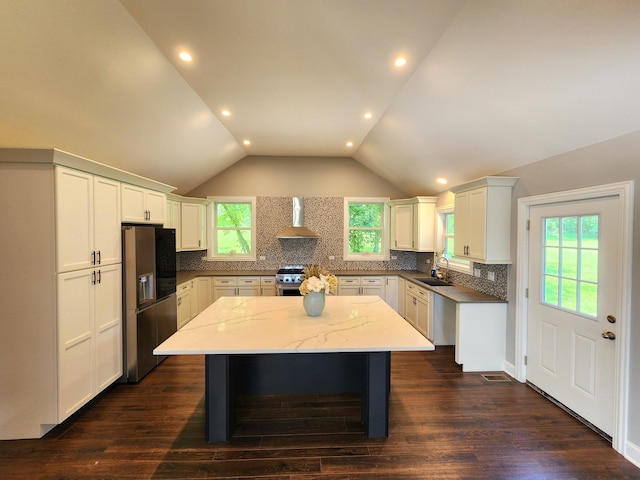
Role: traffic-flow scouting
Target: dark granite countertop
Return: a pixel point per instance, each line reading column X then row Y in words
column 456, row 293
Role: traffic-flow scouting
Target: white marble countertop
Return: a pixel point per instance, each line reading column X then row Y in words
column 249, row 325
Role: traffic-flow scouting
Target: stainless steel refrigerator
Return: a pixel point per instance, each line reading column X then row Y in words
column 149, row 295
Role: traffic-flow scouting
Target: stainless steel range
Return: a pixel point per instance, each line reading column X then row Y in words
column 288, row 280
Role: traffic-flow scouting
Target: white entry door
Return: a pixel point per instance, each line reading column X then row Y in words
column 573, row 296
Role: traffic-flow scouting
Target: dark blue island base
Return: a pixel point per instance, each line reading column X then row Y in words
column 367, row 373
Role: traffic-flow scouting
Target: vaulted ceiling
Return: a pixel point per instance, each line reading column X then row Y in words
column 489, row 85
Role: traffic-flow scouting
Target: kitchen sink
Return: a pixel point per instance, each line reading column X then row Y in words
column 433, row 282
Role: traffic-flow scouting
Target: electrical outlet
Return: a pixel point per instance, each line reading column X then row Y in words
column 262, row 257
column 394, row 257
column 332, row 257
column 476, row 272
column 491, row 276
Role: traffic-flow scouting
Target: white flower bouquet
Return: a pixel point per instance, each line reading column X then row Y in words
column 317, row 279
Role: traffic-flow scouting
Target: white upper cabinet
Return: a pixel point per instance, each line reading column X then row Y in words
column 88, row 220
column 140, row 205
column 413, row 222
column 173, row 220
column 106, row 225
column 193, row 222
column 482, row 228
column 402, row 221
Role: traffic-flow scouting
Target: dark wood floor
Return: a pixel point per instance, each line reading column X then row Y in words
column 443, row 425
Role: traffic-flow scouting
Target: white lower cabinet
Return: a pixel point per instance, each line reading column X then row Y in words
column 204, row 293
column 236, row 287
column 184, row 303
column 401, row 296
column 391, row 291
column 417, row 309
column 267, row 286
column 369, row 285
column 89, row 335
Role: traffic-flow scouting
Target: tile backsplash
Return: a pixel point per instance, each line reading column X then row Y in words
column 324, row 215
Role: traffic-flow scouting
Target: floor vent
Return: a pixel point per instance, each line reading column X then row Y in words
column 495, row 377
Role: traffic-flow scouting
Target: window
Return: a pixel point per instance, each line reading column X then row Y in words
column 446, row 240
column 448, row 235
column 366, row 229
column 233, row 231
column 571, row 264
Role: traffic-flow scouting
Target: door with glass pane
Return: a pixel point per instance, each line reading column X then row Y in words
column 572, row 300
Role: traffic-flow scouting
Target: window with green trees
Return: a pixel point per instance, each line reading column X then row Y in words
column 365, row 228
column 233, row 228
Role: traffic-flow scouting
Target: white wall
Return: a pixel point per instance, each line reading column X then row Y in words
column 28, row 371
column 298, row 176
column 607, row 162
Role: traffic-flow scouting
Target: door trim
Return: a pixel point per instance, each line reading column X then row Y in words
column 625, row 193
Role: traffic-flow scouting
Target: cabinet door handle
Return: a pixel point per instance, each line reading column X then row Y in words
column 93, row 257
column 99, row 276
column 99, row 257
column 93, row 277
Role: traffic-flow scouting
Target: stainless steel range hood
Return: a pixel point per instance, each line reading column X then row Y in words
column 298, row 230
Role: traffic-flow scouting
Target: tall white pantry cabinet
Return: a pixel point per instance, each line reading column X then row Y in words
column 89, row 282
column 60, row 256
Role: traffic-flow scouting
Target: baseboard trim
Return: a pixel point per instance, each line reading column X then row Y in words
column 632, row 453
column 510, row 369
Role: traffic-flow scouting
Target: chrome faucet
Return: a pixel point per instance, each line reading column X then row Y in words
column 446, row 273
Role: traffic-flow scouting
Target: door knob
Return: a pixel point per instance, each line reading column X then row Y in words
column 609, row 335
column 611, row 319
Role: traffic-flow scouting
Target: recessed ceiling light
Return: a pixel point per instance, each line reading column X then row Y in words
column 442, row 181
column 368, row 115
column 400, row 62
column 246, row 142
column 186, row 56
column 225, row 113
column 349, row 144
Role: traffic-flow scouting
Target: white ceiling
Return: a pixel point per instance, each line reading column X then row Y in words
column 489, row 85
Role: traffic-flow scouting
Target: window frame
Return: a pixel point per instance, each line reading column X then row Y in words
column 455, row 263
column 212, row 229
column 384, row 249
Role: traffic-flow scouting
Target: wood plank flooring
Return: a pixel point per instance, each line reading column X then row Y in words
column 444, row 424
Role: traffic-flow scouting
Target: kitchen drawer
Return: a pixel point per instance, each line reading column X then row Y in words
column 225, row 281
column 267, row 281
column 184, row 287
column 365, row 281
column 348, row 280
column 245, row 281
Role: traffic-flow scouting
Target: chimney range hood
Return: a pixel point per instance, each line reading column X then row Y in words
column 298, row 230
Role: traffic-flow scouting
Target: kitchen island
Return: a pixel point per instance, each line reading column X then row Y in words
column 268, row 345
